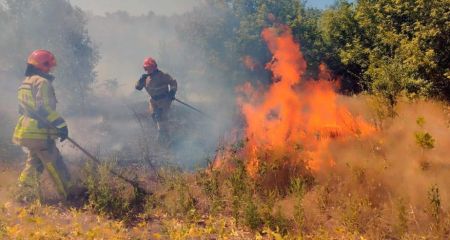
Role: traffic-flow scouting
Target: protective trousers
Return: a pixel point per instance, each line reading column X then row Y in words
column 160, row 110
column 43, row 154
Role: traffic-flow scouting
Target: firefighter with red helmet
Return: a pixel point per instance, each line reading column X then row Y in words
column 162, row 89
column 36, row 97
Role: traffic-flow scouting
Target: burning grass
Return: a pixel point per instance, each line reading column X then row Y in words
column 379, row 178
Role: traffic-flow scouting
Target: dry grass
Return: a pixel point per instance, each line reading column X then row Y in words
column 377, row 189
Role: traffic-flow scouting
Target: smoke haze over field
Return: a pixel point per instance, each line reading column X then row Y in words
column 137, row 7
column 160, row 7
column 123, row 41
column 123, row 46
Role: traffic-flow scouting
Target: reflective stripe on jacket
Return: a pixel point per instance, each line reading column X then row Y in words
column 37, row 94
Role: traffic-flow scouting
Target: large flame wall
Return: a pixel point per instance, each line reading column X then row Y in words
column 295, row 118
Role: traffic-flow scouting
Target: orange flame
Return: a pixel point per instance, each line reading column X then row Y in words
column 295, row 118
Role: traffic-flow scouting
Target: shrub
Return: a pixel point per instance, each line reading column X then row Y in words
column 108, row 195
column 211, row 187
column 178, row 200
column 252, row 217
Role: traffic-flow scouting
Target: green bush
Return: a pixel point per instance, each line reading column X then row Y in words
column 109, row 196
column 252, row 217
column 177, row 198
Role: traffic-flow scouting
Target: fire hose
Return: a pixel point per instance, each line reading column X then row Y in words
column 135, row 184
column 193, row 108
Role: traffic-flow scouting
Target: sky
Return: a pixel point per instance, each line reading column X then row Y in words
column 161, row 7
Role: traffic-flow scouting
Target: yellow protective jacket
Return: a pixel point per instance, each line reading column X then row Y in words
column 36, row 95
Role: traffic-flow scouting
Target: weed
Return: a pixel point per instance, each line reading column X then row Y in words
column 273, row 234
column 420, row 122
column 252, row 217
column 30, row 191
column 2, row 229
column 359, row 174
column 323, row 199
column 151, row 203
column 280, row 222
column 211, row 187
column 298, row 189
column 435, row 205
column 271, row 197
column 108, row 196
column 381, row 110
column 425, row 141
column 186, row 203
column 402, row 218
column 238, row 181
column 356, row 214
column 178, row 200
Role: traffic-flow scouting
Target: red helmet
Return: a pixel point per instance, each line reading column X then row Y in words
column 42, row 60
column 150, row 64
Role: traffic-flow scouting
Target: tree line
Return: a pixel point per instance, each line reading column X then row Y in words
column 388, row 48
column 384, row 47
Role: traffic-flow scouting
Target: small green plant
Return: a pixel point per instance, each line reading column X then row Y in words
column 359, row 174
column 434, row 199
column 151, row 203
column 252, row 217
column 380, row 110
column 2, row 229
column 239, row 178
column 30, row 190
column 211, row 187
column 425, row 141
column 323, row 199
column 239, row 182
column 420, row 122
column 357, row 210
column 178, row 200
column 280, row 222
column 185, row 202
column 107, row 195
column 298, row 189
column 402, row 218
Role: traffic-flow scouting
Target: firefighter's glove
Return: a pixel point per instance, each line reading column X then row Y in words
column 63, row 133
column 172, row 94
column 141, row 83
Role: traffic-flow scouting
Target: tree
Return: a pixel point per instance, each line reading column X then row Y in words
column 413, row 34
column 229, row 32
column 59, row 27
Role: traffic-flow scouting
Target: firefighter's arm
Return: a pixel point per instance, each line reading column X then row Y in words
column 43, row 107
column 173, row 86
column 140, row 84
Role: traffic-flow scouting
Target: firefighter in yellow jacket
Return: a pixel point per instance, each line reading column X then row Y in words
column 37, row 97
column 162, row 89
